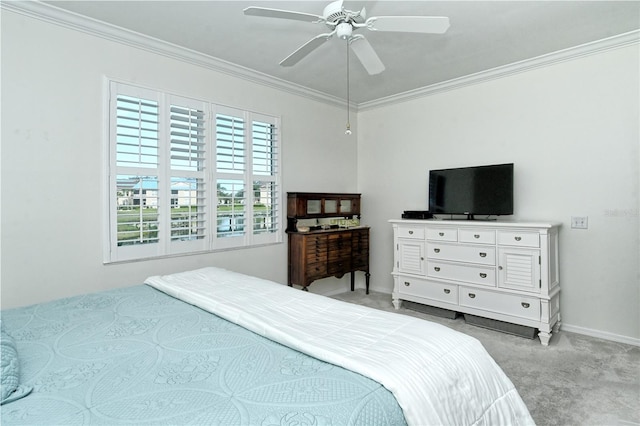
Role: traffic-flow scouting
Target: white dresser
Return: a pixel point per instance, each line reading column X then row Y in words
column 506, row 271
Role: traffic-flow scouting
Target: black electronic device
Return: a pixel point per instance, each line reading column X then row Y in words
column 479, row 190
column 417, row 214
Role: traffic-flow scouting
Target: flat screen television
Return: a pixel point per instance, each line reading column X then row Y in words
column 471, row 191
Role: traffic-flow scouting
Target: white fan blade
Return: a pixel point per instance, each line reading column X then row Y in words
column 367, row 56
column 283, row 14
column 305, row 49
column 409, row 24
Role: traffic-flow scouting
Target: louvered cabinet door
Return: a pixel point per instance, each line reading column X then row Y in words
column 519, row 269
column 410, row 257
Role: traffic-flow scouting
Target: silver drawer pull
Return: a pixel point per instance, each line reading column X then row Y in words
column 407, row 283
column 410, row 232
column 472, row 296
column 482, row 254
column 525, row 305
column 441, row 234
column 483, row 275
column 447, row 291
column 518, row 238
column 476, row 235
column 437, row 269
column 437, row 250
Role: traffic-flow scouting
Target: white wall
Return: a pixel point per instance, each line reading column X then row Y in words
column 52, row 162
column 572, row 130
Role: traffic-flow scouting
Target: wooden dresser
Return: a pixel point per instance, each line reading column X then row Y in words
column 328, row 249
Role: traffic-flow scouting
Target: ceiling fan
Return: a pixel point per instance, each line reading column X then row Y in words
column 344, row 23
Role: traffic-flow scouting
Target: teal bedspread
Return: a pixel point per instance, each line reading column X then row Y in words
column 139, row 356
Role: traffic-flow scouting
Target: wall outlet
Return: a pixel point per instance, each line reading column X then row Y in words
column 579, row 222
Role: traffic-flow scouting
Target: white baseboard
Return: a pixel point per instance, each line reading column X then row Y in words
column 600, row 334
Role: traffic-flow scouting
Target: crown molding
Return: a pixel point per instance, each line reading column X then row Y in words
column 74, row 21
column 614, row 42
column 51, row 14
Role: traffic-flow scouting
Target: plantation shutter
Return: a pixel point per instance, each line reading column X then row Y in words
column 231, row 168
column 135, row 172
column 187, row 176
column 189, row 210
column 264, row 144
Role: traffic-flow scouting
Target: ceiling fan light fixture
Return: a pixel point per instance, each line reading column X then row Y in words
column 344, row 30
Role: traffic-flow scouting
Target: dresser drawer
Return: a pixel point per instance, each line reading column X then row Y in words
column 519, row 239
column 316, row 244
column 470, row 274
column 416, row 232
column 461, row 253
column 338, row 267
column 478, row 236
column 442, row 234
column 502, row 303
column 435, row 291
column 316, row 270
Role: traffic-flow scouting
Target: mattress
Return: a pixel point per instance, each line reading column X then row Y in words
column 140, row 356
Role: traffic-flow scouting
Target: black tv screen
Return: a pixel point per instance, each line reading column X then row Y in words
column 480, row 190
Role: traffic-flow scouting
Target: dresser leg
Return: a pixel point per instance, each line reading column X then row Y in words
column 353, row 280
column 397, row 303
column 367, row 275
column 544, row 337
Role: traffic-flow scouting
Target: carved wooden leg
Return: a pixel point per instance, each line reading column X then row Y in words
column 367, row 275
column 353, row 280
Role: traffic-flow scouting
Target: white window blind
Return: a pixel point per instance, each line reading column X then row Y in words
column 187, row 159
column 188, row 176
column 247, row 173
column 265, row 172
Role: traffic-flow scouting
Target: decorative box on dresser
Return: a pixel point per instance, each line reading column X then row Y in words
column 330, row 249
column 505, row 271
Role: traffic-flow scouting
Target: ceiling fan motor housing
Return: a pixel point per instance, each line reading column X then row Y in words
column 333, row 12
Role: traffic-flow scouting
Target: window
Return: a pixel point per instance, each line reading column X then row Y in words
column 187, row 176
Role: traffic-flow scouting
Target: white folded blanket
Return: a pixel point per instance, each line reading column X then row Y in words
column 438, row 376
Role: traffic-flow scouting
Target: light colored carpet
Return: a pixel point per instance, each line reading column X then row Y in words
column 576, row 380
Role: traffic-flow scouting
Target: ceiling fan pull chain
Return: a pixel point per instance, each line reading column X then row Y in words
column 348, row 131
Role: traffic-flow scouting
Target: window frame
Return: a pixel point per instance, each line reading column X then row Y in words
column 210, row 241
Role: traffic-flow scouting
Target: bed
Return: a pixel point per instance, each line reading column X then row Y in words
column 212, row 346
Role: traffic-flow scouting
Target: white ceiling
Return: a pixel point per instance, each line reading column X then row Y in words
column 483, row 35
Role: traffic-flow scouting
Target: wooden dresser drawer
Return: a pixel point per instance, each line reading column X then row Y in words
column 477, row 236
column 430, row 290
column 415, row 232
column 339, row 267
column 470, row 274
column 519, row 239
column 503, row 303
column 442, row 234
column 316, row 270
column 462, row 253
